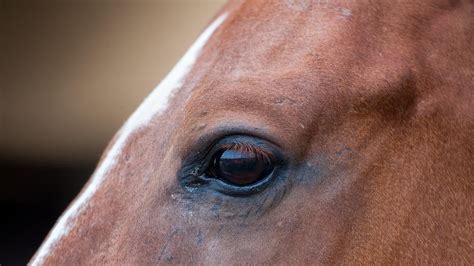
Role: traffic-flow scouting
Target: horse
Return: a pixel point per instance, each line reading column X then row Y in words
column 294, row 132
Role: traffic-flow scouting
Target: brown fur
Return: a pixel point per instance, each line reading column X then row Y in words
column 371, row 101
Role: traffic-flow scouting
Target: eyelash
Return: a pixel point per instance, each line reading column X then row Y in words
column 247, row 148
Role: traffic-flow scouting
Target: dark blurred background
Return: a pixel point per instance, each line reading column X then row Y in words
column 71, row 72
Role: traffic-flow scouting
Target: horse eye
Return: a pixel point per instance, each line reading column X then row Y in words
column 241, row 165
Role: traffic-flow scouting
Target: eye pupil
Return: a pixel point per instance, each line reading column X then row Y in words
column 242, row 167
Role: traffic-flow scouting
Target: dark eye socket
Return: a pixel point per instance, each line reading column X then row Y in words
column 235, row 165
column 241, row 164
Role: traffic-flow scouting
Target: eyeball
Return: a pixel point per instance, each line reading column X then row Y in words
column 241, row 164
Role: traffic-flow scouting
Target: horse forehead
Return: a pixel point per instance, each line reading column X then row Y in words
column 270, row 41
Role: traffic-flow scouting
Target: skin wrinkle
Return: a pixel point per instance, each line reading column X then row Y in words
column 373, row 113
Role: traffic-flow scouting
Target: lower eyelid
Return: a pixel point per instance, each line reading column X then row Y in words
column 233, row 204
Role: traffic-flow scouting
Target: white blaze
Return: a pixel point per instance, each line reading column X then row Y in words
column 155, row 104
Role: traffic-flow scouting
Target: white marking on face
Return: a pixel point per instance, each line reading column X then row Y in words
column 345, row 12
column 155, row 104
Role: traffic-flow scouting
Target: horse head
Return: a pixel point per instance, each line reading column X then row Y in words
column 294, row 131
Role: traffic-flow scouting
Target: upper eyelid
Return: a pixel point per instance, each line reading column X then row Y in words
column 214, row 135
